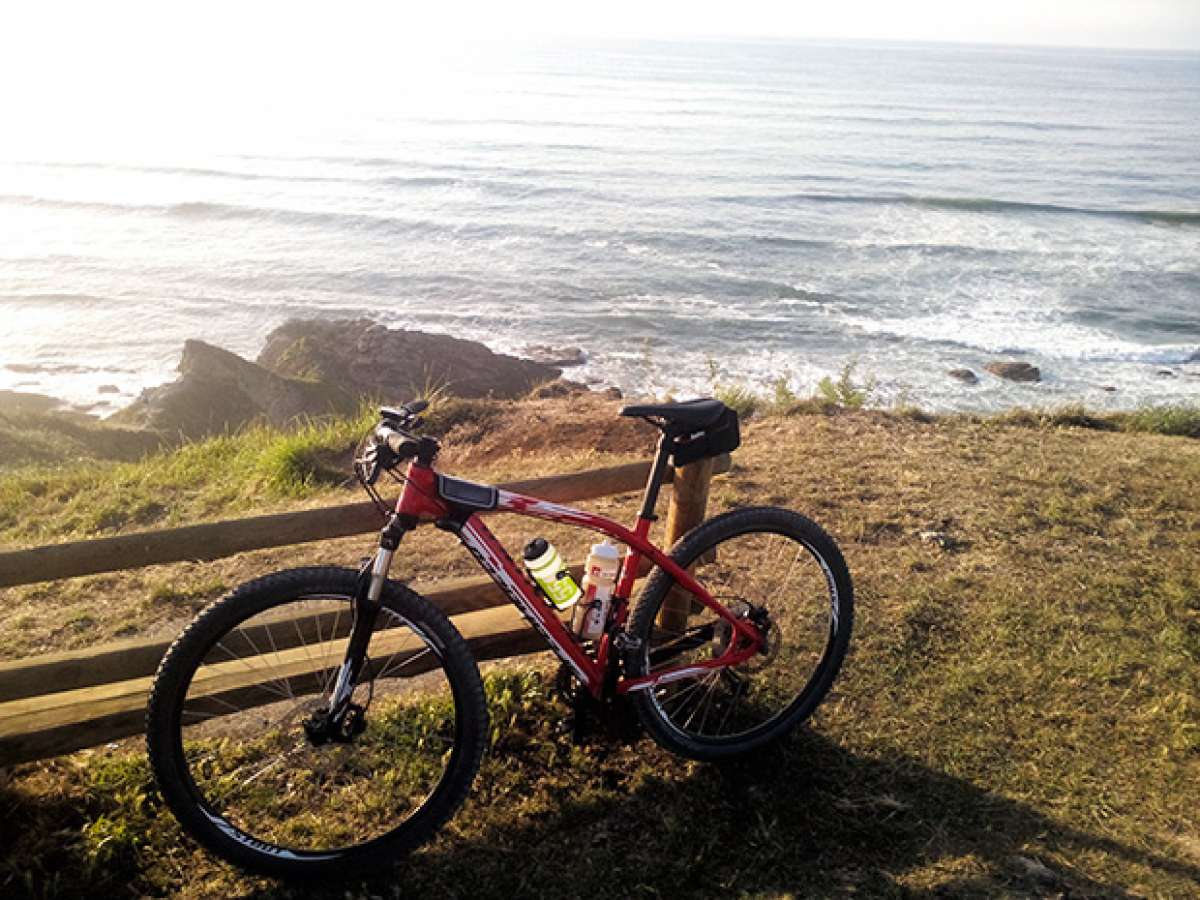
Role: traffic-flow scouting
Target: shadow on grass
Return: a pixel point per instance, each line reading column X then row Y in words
column 808, row 819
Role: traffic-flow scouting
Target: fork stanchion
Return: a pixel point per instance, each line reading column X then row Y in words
column 689, row 502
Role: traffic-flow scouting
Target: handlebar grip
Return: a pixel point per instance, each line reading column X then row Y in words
column 417, row 406
column 401, row 444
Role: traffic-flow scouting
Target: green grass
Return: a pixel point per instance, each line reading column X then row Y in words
column 1172, row 420
column 744, row 401
column 845, row 391
column 32, row 437
column 230, row 473
column 64, row 496
column 1178, row 419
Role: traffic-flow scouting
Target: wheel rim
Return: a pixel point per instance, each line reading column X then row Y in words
column 261, row 778
column 768, row 577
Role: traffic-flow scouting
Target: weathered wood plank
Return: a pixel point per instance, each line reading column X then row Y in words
column 215, row 540
column 39, row 727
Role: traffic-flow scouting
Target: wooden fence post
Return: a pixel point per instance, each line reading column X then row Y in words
column 689, row 502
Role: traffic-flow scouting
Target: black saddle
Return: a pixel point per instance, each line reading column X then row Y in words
column 694, row 429
column 690, row 414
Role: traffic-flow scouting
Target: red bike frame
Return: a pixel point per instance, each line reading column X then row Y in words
column 419, row 502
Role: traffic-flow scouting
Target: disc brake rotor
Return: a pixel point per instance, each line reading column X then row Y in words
column 772, row 639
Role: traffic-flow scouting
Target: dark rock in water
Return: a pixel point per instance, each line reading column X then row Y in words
column 1108, row 388
column 363, row 358
column 108, row 389
column 1015, row 371
column 218, row 390
column 1165, row 373
column 964, row 375
column 560, row 357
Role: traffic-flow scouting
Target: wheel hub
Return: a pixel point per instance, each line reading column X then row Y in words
column 324, row 728
column 771, row 636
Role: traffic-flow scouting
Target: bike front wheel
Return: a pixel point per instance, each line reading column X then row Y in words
column 781, row 572
column 234, row 736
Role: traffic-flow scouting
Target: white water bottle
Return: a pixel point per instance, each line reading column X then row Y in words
column 599, row 582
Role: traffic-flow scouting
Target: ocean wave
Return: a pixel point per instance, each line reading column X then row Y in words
column 54, row 298
column 203, row 210
column 196, row 171
column 967, row 204
column 206, row 211
column 62, row 369
column 956, row 122
column 1015, row 336
column 417, row 181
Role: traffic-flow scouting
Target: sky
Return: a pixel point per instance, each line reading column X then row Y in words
column 90, row 31
column 1105, row 23
column 120, row 66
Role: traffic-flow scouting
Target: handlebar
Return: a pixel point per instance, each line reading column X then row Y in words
column 402, row 444
column 391, row 443
column 393, row 434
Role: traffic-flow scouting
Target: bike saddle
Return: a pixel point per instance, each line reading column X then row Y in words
column 688, row 414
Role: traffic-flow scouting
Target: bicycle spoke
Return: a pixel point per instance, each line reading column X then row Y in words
column 248, row 742
column 772, row 580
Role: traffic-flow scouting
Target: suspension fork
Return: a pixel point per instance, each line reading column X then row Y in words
column 367, row 602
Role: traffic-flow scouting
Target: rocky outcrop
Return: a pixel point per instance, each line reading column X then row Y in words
column 366, row 359
column 966, row 376
column 21, row 402
column 218, row 390
column 1015, row 371
column 311, row 368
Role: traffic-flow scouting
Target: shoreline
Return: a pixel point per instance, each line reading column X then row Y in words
column 978, row 389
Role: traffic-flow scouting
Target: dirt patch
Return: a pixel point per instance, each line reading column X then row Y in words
column 582, row 423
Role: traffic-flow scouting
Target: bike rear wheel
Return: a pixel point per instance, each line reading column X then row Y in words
column 775, row 568
column 233, row 727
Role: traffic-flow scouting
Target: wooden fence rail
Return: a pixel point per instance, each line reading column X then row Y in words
column 214, row 540
column 61, row 702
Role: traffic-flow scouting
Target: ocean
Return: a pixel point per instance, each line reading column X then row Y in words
column 756, row 213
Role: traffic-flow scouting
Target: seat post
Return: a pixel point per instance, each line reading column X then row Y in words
column 657, row 470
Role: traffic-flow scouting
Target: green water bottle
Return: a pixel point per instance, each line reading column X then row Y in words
column 546, row 566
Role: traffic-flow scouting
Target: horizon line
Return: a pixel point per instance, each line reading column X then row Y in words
column 781, row 39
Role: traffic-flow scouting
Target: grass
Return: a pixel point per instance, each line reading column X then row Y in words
column 844, row 391
column 739, row 398
column 1018, row 716
column 252, row 467
column 255, row 467
column 1177, row 419
column 32, row 437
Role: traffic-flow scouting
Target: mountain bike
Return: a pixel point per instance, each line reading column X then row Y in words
column 324, row 720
